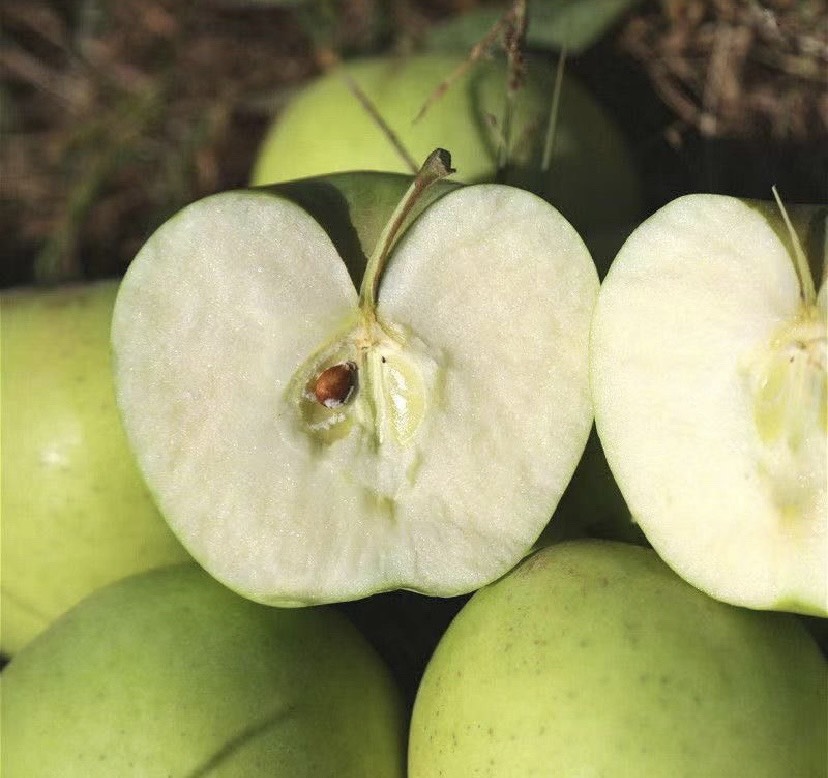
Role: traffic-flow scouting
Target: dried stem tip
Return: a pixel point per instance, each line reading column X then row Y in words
column 436, row 166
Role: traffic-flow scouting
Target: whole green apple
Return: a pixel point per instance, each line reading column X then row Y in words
column 326, row 128
column 168, row 673
column 593, row 658
column 75, row 512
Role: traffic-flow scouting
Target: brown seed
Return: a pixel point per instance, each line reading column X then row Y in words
column 333, row 386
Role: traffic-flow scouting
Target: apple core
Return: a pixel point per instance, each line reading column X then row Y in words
column 789, row 391
column 374, row 377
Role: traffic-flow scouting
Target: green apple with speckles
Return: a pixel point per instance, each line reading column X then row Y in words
column 708, row 363
column 594, row 658
column 313, row 436
column 168, row 673
column 592, row 179
column 75, row 512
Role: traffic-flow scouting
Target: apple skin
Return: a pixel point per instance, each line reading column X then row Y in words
column 75, row 512
column 170, row 673
column 593, row 182
column 593, row 658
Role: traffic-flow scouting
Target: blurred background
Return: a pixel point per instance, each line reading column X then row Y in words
column 115, row 114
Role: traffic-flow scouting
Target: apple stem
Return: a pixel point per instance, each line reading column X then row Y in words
column 436, row 166
column 807, row 290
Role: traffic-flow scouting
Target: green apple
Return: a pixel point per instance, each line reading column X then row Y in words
column 310, row 442
column 75, row 512
column 709, row 381
column 168, row 673
column 326, row 128
column 593, row 658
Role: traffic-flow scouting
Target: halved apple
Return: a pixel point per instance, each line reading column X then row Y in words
column 709, row 381
column 309, row 442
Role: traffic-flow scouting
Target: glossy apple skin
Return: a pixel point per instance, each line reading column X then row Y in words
column 168, row 673
column 75, row 512
column 592, row 180
column 593, row 658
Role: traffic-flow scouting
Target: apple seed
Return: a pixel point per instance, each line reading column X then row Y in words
column 335, row 385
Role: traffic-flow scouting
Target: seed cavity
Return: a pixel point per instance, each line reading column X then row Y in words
column 335, row 386
column 403, row 397
column 789, row 385
column 789, row 397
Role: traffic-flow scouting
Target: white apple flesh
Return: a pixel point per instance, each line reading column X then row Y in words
column 461, row 411
column 709, row 381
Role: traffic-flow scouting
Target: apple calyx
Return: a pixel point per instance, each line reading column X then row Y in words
column 368, row 365
column 789, row 386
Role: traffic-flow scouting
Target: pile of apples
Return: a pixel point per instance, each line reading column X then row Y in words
column 355, row 382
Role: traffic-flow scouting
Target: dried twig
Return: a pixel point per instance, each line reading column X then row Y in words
column 514, row 41
column 359, row 93
column 738, row 68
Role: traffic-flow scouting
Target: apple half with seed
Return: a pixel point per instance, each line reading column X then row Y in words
column 708, row 362
column 309, row 441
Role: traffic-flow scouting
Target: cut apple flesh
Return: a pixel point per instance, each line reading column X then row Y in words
column 709, row 382
column 309, row 446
